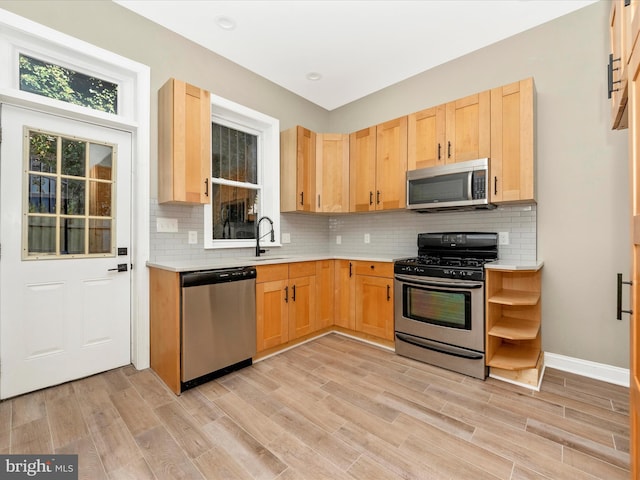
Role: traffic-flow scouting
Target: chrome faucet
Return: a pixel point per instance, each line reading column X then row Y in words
column 258, row 237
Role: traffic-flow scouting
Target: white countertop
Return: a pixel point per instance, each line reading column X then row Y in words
column 514, row 265
column 230, row 262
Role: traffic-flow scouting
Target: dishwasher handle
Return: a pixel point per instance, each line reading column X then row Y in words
column 222, row 275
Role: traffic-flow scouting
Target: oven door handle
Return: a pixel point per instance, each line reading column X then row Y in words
column 440, row 348
column 429, row 283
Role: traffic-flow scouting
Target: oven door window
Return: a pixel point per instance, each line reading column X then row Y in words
column 437, row 307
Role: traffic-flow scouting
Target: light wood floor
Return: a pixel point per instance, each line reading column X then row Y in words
column 334, row 408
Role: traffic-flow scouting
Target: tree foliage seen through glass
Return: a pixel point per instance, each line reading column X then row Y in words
column 59, row 83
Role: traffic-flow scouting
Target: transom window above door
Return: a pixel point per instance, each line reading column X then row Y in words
column 60, row 83
column 68, row 197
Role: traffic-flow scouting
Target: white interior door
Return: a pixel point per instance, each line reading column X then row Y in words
column 65, row 194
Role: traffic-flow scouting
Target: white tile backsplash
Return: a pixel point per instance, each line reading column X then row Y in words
column 393, row 234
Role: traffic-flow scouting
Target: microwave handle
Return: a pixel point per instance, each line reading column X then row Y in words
column 470, row 186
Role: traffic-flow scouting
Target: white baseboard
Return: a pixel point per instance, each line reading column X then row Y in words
column 586, row 368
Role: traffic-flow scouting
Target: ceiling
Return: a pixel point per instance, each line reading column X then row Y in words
column 356, row 47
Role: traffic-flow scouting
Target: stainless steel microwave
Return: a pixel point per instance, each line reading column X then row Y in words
column 460, row 186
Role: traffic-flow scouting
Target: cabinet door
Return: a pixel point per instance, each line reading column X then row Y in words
column 302, row 308
column 184, row 143
column 634, row 321
column 272, row 314
column 426, row 138
column 512, row 162
column 391, row 164
column 374, row 306
column 362, row 170
column 324, row 293
column 297, row 170
column 344, row 295
column 468, row 128
column 619, row 43
column 332, row 172
column 630, row 29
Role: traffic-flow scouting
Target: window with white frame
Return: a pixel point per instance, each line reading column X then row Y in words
column 245, row 175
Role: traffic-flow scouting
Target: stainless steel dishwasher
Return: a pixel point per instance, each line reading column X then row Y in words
column 218, row 323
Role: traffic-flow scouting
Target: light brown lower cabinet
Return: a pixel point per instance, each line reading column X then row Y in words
column 286, row 296
column 298, row 299
column 364, row 297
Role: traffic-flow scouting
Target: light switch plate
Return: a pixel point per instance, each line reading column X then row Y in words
column 193, row 237
column 338, row 239
column 166, row 225
column 286, row 238
column 367, row 238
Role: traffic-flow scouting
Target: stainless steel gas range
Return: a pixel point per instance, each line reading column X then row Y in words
column 439, row 301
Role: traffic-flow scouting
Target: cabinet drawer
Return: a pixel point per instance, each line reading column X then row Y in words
column 302, row 269
column 374, row 269
column 270, row 273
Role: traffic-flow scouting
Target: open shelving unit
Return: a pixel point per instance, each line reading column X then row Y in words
column 513, row 338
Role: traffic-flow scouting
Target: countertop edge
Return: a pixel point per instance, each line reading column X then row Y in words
column 181, row 266
column 514, row 265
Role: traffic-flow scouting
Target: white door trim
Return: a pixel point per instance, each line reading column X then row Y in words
column 136, row 119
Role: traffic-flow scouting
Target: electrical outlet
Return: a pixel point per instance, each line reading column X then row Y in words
column 503, row 238
column 286, row 238
column 367, row 238
column 193, row 237
column 166, row 225
column 338, row 239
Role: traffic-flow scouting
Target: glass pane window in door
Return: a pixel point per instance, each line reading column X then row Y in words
column 43, row 153
column 72, row 196
column 99, row 236
column 73, row 157
column 42, row 235
column 100, row 161
column 100, row 199
column 72, row 236
column 42, row 194
column 67, row 85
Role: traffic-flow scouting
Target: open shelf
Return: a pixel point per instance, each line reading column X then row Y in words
column 515, row 329
column 514, row 297
column 514, row 357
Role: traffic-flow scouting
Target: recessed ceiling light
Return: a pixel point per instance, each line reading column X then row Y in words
column 226, row 23
column 314, row 76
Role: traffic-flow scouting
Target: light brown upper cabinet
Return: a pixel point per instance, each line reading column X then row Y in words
column 512, row 143
column 332, row 173
column 184, row 143
column 297, row 170
column 426, row 138
column 378, row 166
column 454, row 132
column 621, row 42
column 362, row 168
